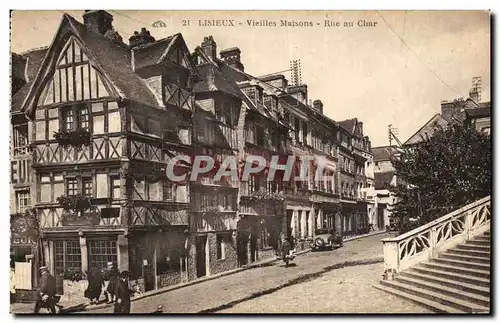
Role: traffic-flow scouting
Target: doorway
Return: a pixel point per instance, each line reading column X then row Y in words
column 201, row 258
column 380, row 217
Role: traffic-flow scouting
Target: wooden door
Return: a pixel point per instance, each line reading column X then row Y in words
column 201, row 269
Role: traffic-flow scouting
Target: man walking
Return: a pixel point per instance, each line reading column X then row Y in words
column 122, row 294
column 46, row 292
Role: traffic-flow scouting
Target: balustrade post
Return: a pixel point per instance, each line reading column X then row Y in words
column 432, row 242
column 391, row 258
column 467, row 224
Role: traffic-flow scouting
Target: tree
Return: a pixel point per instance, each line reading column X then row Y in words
column 444, row 172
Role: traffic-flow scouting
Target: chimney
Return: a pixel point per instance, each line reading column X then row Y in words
column 98, row 21
column 318, row 106
column 360, row 125
column 474, row 95
column 209, row 46
column 231, row 56
column 142, row 38
column 299, row 92
column 453, row 111
column 276, row 80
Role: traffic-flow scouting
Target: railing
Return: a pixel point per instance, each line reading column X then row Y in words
column 425, row 242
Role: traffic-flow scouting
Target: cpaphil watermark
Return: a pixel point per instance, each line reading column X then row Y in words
column 296, row 168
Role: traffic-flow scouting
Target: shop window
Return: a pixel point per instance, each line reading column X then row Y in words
column 101, row 252
column 67, row 256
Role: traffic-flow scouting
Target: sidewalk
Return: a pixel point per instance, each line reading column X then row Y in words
column 87, row 307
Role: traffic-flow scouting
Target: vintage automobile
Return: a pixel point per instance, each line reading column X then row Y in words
column 325, row 239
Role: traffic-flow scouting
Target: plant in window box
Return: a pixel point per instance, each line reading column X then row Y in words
column 76, row 138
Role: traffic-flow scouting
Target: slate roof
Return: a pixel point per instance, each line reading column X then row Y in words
column 427, row 129
column 32, row 61
column 348, row 125
column 150, row 54
column 115, row 60
column 213, row 79
column 383, row 179
column 478, row 113
column 18, row 67
column 382, row 153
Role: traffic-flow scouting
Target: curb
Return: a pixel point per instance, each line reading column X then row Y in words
column 226, row 273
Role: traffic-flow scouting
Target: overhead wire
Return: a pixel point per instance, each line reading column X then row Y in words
column 403, row 41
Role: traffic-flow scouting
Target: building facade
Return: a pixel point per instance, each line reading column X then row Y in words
column 104, row 118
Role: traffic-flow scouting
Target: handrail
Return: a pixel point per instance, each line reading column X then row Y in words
column 438, row 220
column 427, row 241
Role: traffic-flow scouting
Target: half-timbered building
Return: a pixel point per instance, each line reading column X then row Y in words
column 107, row 118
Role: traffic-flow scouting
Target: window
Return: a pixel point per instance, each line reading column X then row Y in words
column 115, row 187
column 69, row 122
column 253, row 183
column 71, row 186
column 20, row 139
column 297, row 129
column 87, row 186
column 83, row 118
column 102, row 252
column 260, row 136
column 68, row 119
column 305, row 132
column 67, row 256
column 264, row 236
column 23, row 200
column 167, row 191
column 221, row 247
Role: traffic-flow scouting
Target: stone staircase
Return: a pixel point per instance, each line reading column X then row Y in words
column 457, row 281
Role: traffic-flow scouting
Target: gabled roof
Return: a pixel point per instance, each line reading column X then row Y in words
column 427, row 129
column 348, row 125
column 151, row 54
column 219, row 76
column 214, row 77
column 113, row 59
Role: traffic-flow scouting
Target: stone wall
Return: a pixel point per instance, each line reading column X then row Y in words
column 168, row 279
column 230, row 260
column 266, row 254
column 191, row 248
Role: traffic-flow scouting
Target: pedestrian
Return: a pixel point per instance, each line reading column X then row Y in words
column 96, row 282
column 122, row 293
column 46, row 292
column 112, row 278
column 285, row 251
column 12, row 284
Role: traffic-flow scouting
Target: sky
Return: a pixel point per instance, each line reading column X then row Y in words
column 362, row 72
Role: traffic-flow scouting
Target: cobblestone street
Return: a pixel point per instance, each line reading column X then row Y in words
column 337, row 281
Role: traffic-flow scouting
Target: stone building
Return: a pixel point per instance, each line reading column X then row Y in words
column 355, row 150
